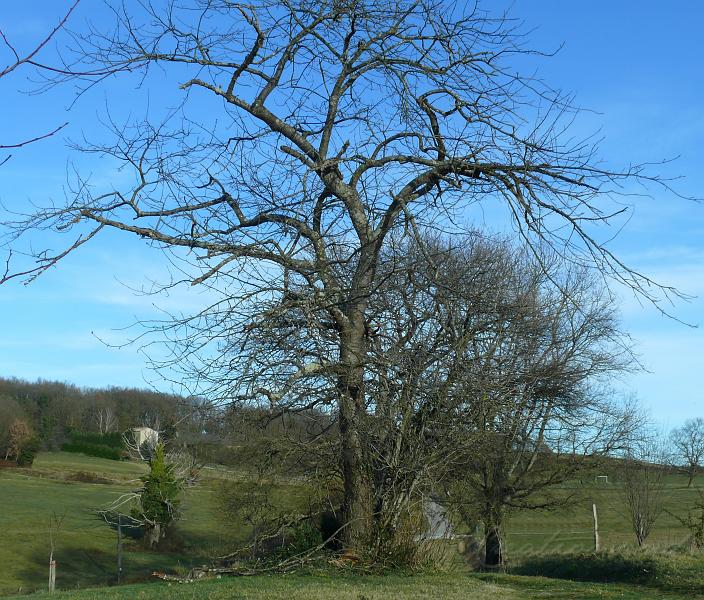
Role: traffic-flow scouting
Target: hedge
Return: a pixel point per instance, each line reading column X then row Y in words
column 97, row 450
column 112, row 440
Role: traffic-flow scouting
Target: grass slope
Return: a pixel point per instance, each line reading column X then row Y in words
column 86, row 551
column 86, row 545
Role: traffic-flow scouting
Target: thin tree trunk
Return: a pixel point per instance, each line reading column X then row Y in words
column 52, row 572
column 597, row 545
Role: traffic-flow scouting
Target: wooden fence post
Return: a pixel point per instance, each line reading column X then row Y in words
column 119, row 549
column 52, row 574
column 597, row 545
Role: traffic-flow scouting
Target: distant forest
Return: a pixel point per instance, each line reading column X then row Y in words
column 54, row 411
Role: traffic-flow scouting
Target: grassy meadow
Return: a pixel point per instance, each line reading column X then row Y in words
column 74, row 485
column 571, row 530
column 85, row 544
column 391, row 587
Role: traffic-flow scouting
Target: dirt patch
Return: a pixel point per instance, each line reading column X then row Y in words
column 85, row 477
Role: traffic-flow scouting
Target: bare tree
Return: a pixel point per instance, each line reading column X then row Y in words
column 688, row 442
column 339, row 125
column 105, row 419
column 694, row 522
column 642, row 474
column 19, row 59
column 55, row 523
column 186, row 466
column 482, row 379
column 531, row 407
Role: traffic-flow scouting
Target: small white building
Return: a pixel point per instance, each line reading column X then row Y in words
column 145, row 435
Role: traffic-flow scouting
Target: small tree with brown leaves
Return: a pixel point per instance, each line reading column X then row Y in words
column 19, row 434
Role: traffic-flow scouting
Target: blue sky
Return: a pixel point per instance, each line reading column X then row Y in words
column 636, row 65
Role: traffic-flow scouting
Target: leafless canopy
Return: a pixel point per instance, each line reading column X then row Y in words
column 17, row 59
column 688, row 445
column 349, row 118
column 644, row 492
column 340, row 126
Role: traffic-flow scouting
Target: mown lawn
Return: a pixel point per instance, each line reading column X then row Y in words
column 392, row 587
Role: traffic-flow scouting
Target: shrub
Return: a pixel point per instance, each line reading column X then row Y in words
column 676, row 573
column 28, row 452
column 86, row 477
column 694, row 522
column 112, row 440
column 300, row 538
column 158, row 500
column 330, row 529
column 604, row 567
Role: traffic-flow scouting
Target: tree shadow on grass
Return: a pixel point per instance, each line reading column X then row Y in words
column 671, row 573
column 78, row 567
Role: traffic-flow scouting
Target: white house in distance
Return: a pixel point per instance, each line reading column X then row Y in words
column 145, row 434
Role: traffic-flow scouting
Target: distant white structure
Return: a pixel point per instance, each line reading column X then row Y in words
column 145, row 435
column 601, row 479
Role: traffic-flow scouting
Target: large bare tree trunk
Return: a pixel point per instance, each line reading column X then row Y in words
column 494, row 555
column 357, row 497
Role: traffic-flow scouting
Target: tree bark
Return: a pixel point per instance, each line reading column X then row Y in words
column 357, row 497
column 493, row 545
column 153, row 535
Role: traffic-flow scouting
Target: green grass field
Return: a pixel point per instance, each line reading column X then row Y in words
column 390, row 587
column 571, row 530
column 86, row 552
column 86, row 545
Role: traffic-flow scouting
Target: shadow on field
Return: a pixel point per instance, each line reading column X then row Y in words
column 681, row 573
column 77, row 567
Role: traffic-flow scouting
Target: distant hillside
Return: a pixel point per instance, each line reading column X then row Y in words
column 217, row 432
column 53, row 409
